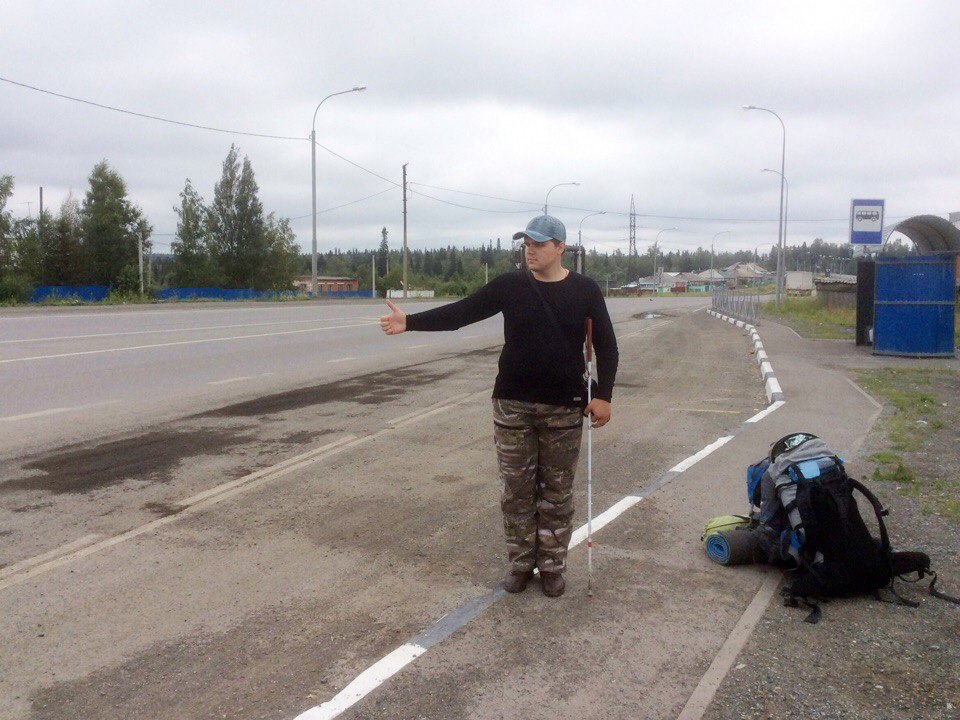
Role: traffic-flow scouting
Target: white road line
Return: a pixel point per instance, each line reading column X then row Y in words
column 431, row 412
column 231, row 380
column 395, row 661
column 702, row 695
column 340, row 360
column 416, row 347
column 367, row 681
column 155, row 313
column 56, row 552
column 643, row 330
column 607, row 516
column 180, row 342
column 449, row 402
column 191, row 506
column 37, row 414
column 766, row 411
column 56, row 411
column 174, row 330
column 211, row 496
column 709, row 410
column 697, row 457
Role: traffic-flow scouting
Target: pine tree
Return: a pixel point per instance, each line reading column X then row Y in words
column 283, row 255
column 8, row 250
column 112, row 226
column 235, row 225
column 68, row 245
column 383, row 253
column 192, row 264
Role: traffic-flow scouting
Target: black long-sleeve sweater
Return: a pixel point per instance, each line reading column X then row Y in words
column 536, row 365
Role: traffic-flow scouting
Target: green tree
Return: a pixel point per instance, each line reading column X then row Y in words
column 283, row 255
column 67, row 232
column 192, row 264
column 235, row 225
column 112, row 226
column 383, row 253
column 8, row 250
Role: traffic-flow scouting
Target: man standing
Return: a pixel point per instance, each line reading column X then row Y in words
column 539, row 398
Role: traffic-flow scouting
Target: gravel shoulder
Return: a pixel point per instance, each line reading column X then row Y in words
column 869, row 659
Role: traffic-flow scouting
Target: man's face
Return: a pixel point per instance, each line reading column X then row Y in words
column 541, row 256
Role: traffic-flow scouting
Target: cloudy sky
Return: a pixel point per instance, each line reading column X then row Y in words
column 491, row 104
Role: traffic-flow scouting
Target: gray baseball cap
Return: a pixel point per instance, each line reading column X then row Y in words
column 542, row 229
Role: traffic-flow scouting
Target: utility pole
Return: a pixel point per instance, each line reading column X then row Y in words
column 486, row 273
column 40, row 231
column 373, row 274
column 140, row 257
column 632, row 253
column 405, row 230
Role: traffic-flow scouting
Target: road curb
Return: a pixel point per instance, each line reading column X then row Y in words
column 771, row 384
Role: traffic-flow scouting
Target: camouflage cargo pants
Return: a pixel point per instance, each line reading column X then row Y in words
column 537, row 449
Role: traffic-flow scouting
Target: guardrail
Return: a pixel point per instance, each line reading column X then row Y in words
column 741, row 304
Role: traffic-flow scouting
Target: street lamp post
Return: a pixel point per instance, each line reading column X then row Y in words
column 580, row 239
column 547, row 199
column 580, row 231
column 783, row 180
column 313, row 175
column 722, row 232
column 655, row 241
column 786, row 215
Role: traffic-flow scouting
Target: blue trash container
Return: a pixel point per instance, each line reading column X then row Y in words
column 914, row 304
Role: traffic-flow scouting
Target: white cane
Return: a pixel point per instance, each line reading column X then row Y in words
column 589, row 461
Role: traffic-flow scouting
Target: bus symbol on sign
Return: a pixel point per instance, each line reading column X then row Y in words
column 866, row 222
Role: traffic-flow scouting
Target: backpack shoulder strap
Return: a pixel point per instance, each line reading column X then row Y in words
column 878, row 510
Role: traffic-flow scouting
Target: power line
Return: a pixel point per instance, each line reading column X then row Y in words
column 394, row 183
column 346, row 204
column 475, row 194
column 469, row 207
column 356, row 165
column 147, row 116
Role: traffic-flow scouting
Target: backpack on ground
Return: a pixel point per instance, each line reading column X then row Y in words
column 810, row 517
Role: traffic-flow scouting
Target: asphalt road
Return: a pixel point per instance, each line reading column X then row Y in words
column 245, row 549
column 69, row 374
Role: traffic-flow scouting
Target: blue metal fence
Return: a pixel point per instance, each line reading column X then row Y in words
column 83, row 293
column 99, row 293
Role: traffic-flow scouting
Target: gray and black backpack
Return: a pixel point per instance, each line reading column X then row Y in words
column 815, row 529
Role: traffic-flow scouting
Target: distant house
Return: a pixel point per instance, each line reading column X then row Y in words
column 327, row 283
column 715, row 279
column 745, row 273
column 640, row 286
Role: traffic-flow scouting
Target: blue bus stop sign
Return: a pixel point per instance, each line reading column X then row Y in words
column 866, row 222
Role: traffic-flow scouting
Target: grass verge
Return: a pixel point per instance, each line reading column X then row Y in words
column 810, row 318
column 920, row 454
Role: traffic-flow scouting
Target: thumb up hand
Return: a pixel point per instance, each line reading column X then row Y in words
column 394, row 323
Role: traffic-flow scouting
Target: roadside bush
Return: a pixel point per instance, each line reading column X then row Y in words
column 15, row 288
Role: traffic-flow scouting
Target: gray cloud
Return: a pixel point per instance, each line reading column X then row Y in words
column 503, row 99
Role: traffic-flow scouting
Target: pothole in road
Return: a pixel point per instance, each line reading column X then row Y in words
column 650, row 315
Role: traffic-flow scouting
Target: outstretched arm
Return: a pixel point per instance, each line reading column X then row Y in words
column 394, row 323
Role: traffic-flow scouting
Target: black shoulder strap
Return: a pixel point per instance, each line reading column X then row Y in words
column 550, row 316
column 878, row 510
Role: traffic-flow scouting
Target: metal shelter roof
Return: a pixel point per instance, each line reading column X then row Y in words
column 930, row 233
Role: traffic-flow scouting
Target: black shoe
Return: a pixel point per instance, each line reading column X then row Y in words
column 553, row 584
column 516, row 582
